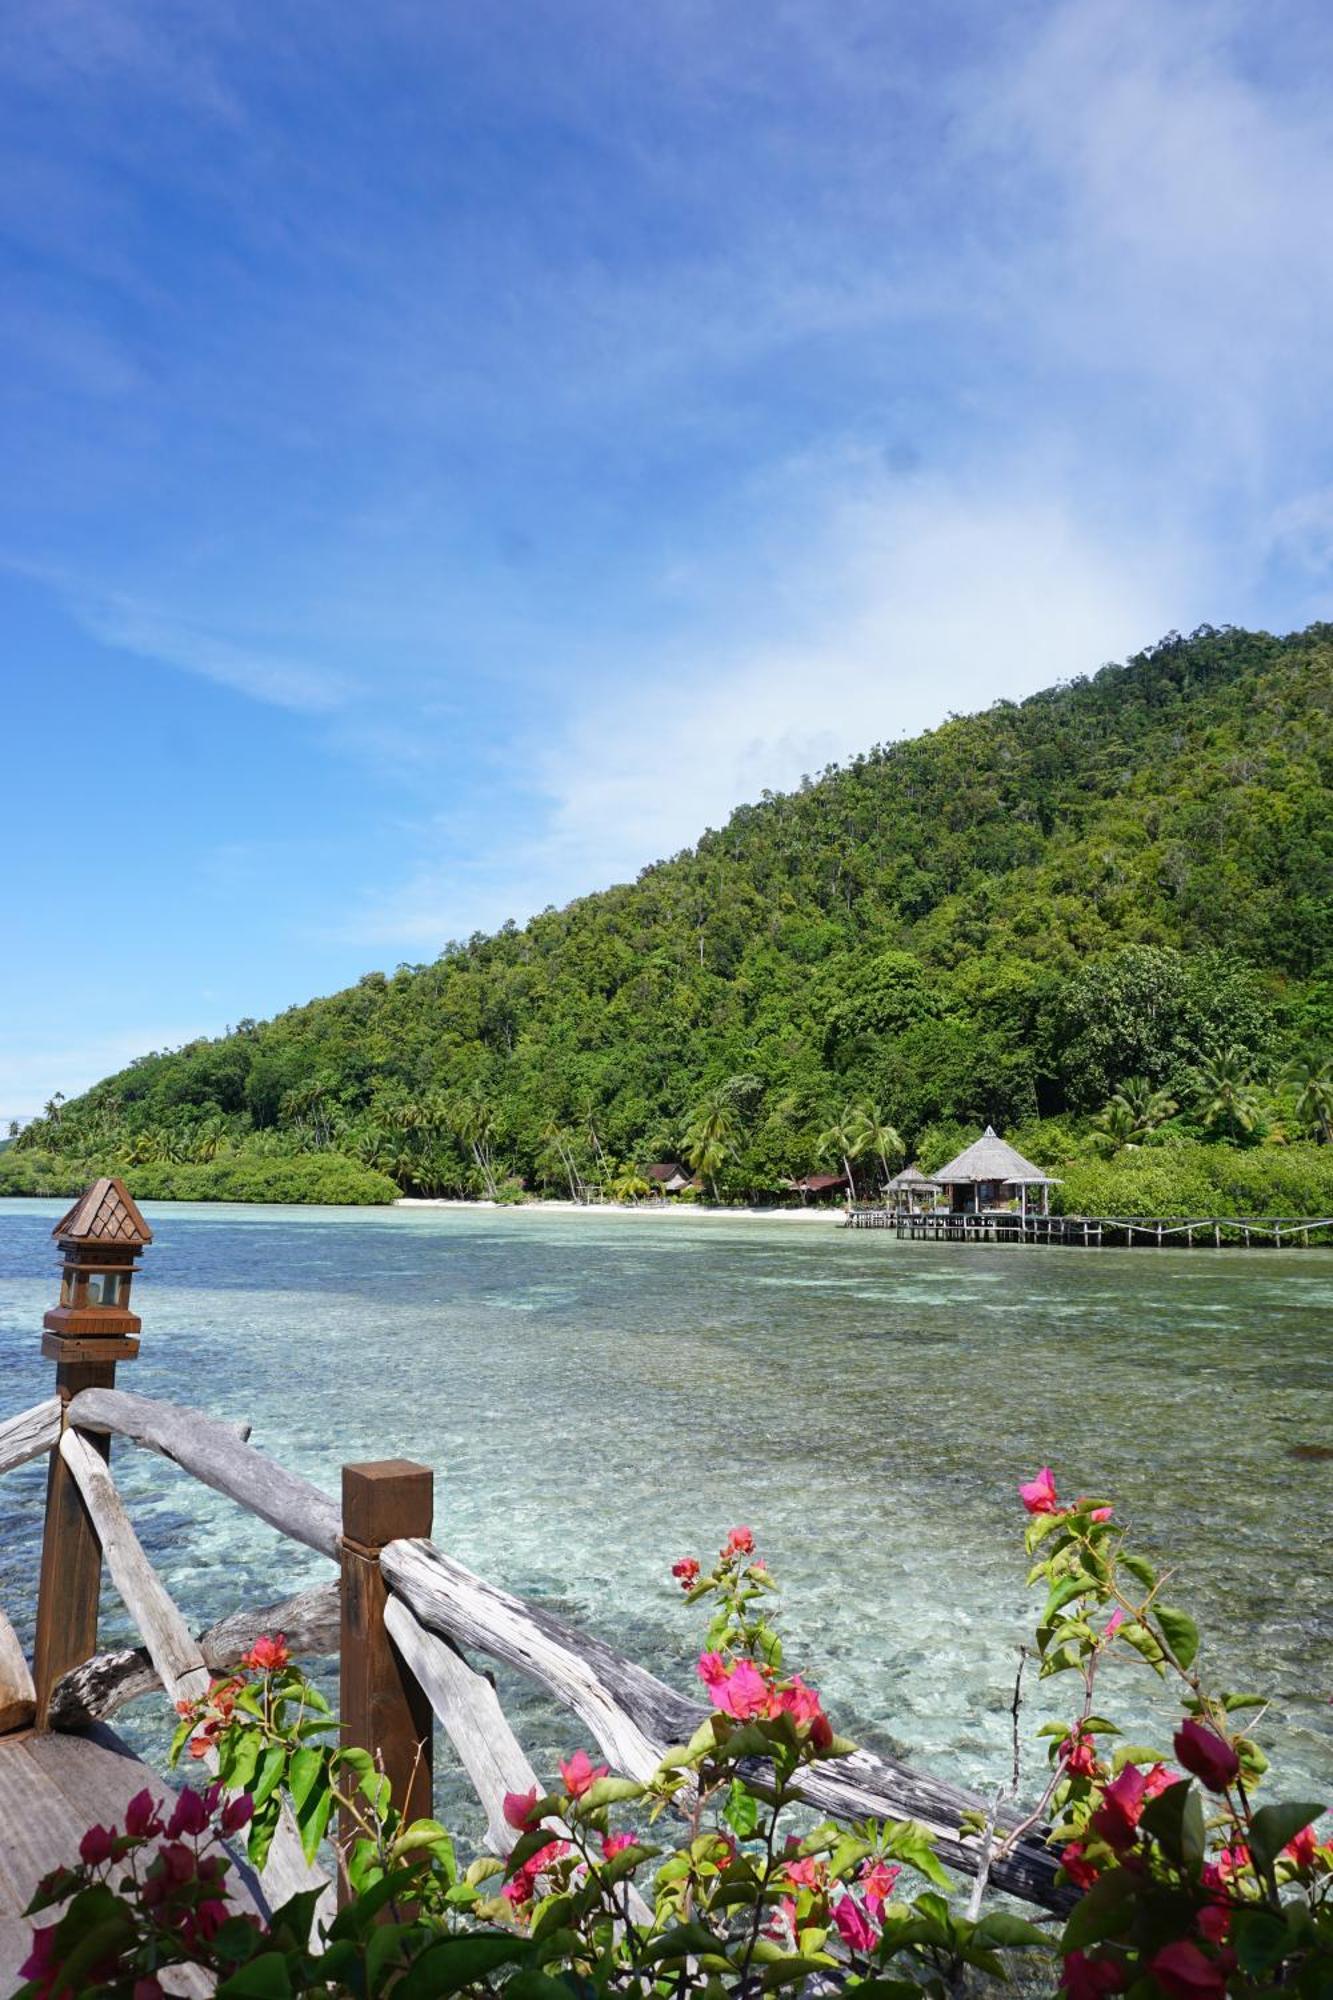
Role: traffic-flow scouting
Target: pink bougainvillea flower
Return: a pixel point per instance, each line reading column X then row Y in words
column 580, row 1774
column 97, row 1845
column 1087, row 1978
column 237, row 1812
column 518, row 1808
column 1113, row 1623
column 804, row 1871
column 686, row 1572
column 267, row 1656
column 782, row 1921
column 1160, row 1779
column 1206, row 1755
column 1187, row 1973
column 616, row 1843
column 1303, row 1848
column 1082, row 1872
column 41, row 1960
column 799, row 1700
column 877, row 1882
column 744, row 1693
column 855, row 1927
column 141, row 1815
column 1038, row 1495
column 712, row 1670
column 1078, row 1754
column 740, row 1542
column 190, row 1816
column 1116, row 1818
column 1214, row 1922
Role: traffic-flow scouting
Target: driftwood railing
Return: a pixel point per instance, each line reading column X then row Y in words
column 1001, row 1225
column 399, row 1615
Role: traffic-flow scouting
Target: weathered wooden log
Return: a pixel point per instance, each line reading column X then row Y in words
column 29, row 1434
column 18, row 1697
column 470, row 1710
column 176, row 1658
column 215, row 1454
column 635, row 1717
column 175, row 1654
column 95, row 1690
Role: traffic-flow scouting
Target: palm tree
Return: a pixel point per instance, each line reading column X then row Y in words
column 1227, row 1099
column 1133, row 1115
column 710, row 1135
column 879, row 1137
column 1313, row 1083
column 846, row 1139
column 474, row 1124
column 556, row 1151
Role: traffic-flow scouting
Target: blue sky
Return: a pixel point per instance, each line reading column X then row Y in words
column 455, row 453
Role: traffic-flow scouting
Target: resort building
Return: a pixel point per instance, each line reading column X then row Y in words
column 990, row 1174
column 912, row 1189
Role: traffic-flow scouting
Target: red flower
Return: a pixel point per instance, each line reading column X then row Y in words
column 518, row 1808
column 1116, row 1818
column 1303, row 1848
column 1214, row 1922
column 1082, row 1872
column 190, row 1816
column 740, row 1542
column 1038, row 1495
column 141, row 1816
column 1088, row 1978
column 877, row 1885
column 267, row 1656
column 238, row 1812
column 616, row 1843
column 686, row 1572
column 1160, row 1779
column 855, row 1927
column 96, row 1845
column 1206, row 1755
column 580, row 1775
column 200, row 1746
column 1187, row 1973
column 1078, row 1753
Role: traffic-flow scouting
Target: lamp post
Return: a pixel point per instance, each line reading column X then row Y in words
column 85, row 1333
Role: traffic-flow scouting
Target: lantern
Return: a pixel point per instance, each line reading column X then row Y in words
column 100, row 1241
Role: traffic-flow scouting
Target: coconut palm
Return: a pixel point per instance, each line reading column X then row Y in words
column 1313, row 1084
column 846, row 1139
column 1133, row 1115
column 879, row 1137
column 1228, row 1102
column 556, row 1152
column 710, row 1135
column 474, row 1124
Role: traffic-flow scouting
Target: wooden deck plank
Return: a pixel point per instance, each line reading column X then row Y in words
column 52, row 1788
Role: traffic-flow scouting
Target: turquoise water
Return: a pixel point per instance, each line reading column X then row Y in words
column 600, row 1394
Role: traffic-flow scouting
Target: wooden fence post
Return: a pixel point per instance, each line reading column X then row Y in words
column 384, row 1709
column 70, row 1580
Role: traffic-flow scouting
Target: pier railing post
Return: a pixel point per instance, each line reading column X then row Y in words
column 85, row 1334
column 384, row 1709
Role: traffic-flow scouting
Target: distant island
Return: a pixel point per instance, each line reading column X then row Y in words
column 1099, row 920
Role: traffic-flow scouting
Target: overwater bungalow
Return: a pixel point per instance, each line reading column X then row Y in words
column 990, row 1174
column 912, row 1189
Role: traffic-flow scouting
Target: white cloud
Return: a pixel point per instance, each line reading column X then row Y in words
column 257, row 669
column 28, row 1075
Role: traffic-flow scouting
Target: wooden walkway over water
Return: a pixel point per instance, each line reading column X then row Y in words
column 1093, row 1232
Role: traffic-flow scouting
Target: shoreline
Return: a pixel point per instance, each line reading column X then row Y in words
column 691, row 1211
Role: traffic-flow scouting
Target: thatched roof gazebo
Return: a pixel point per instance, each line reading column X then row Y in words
column 989, row 1172
column 911, row 1188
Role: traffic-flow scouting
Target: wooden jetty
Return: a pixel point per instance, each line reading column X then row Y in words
column 1092, row 1232
column 399, row 1612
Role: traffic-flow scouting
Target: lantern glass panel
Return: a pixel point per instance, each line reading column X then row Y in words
column 104, row 1288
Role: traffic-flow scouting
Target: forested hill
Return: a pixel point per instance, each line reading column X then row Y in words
column 1002, row 919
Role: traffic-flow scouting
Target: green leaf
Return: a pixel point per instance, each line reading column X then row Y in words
column 610, row 1792
column 313, row 1822
column 1259, row 1940
column 741, row 1811
column 303, row 1773
column 270, row 1771
column 680, row 1941
column 1180, row 1632
column 1175, row 1821
column 1101, row 1913
column 1273, row 1826
column 263, row 1978
column 1003, row 1929
column 1138, row 1568
column 1134, row 1753
column 457, row 1961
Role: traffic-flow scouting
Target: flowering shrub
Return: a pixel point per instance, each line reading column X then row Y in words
column 1188, row 1888
column 711, row 1880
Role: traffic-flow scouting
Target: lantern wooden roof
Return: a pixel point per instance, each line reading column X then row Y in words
column 104, row 1213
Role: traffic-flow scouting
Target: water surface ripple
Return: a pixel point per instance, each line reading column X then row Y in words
column 601, row 1394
